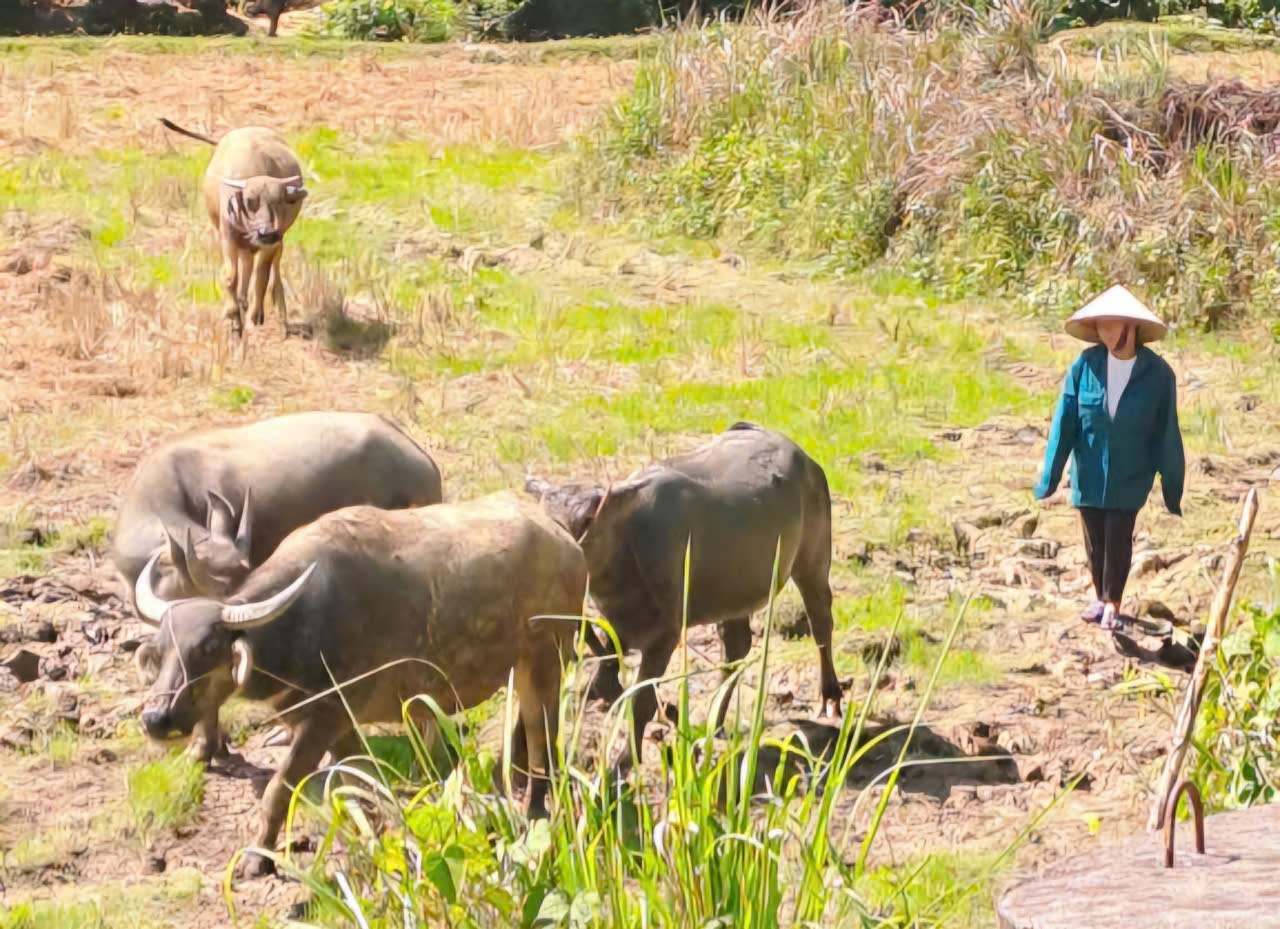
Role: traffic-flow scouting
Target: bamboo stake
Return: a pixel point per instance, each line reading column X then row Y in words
column 1186, row 718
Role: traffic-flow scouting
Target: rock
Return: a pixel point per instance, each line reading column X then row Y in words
column 128, row 646
column 1025, row 526
column 55, row 672
column 24, row 665
column 1035, row 775
column 19, row 264
column 870, row 646
column 45, row 632
column 1156, row 609
column 103, row 756
column 921, row 537
column 1248, row 403
column 1044, row 549
column 154, row 863
column 873, row 462
column 1146, row 563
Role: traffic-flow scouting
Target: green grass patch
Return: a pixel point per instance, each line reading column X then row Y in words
column 149, row 905
column 165, row 793
column 959, row 666
column 235, row 398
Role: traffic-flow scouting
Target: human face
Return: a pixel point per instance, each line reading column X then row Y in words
column 1118, row 336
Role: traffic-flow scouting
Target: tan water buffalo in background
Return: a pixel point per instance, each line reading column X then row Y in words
column 253, row 192
column 732, row 498
column 453, row 588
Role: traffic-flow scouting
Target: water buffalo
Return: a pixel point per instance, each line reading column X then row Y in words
column 253, row 193
column 734, row 497
column 283, row 472
column 436, row 600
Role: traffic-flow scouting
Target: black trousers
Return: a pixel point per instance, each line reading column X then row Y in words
column 1108, row 541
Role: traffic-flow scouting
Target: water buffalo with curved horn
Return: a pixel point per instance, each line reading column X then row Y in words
column 281, row 473
column 253, row 193
column 732, row 498
column 438, row 600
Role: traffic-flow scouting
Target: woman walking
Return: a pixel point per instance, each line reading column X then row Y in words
column 1118, row 420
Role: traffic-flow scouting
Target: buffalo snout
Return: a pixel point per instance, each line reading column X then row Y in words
column 159, row 725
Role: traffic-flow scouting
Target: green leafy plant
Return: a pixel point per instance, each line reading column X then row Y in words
column 1237, row 736
column 391, row 20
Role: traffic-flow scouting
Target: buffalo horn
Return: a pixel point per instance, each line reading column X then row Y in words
column 151, row 608
column 248, row 615
column 244, row 534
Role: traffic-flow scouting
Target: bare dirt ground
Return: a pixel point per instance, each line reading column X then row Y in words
column 82, row 401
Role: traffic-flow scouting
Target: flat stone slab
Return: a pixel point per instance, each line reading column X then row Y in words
column 1234, row 885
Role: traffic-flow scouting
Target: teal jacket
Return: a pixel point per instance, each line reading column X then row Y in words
column 1114, row 462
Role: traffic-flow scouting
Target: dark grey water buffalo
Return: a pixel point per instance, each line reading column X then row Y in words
column 283, row 473
column 734, row 497
column 453, row 588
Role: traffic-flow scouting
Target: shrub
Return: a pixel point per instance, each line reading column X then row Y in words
column 391, row 20
column 1237, row 737
column 954, row 153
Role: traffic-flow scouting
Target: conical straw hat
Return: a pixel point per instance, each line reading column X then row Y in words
column 1115, row 303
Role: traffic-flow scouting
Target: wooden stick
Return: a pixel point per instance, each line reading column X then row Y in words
column 1186, row 718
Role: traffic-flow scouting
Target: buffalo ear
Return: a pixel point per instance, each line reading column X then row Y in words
column 147, row 661
column 222, row 518
column 584, row 509
column 242, row 666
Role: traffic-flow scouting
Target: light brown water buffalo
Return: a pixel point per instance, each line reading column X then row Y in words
column 733, row 497
column 436, row 600
column 253, row 193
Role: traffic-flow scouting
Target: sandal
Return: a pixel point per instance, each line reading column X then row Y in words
column 1111, row 620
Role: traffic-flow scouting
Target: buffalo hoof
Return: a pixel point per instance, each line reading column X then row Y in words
column 254, row 866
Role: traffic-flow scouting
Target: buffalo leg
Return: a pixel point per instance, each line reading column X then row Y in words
column 231, row 282
column 261, row 277
column 310, row 741
column 735, row 636
column 207, row 740
column 244, row 280
column 605, row 683
column 537, row 680
column 653, row 664
column 816, row 592
column 277, row 290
